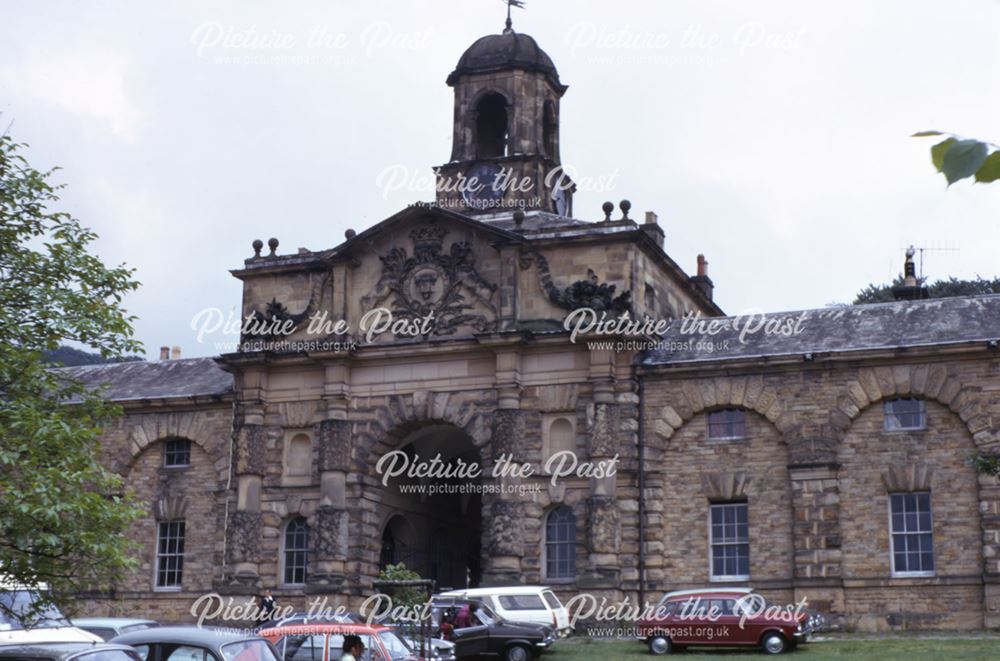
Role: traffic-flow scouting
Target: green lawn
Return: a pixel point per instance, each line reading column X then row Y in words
column 896, row 649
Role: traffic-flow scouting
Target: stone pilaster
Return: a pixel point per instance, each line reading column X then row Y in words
column 505, row 548
column 816, row 535
column 243, row 530
column 604, row 520
column 331, row 526
column 989, row 517
column 604, row 542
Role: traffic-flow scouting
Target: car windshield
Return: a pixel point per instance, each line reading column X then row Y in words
column 248, row 650
column 396, row 647
column 486, row 615
column 136, row 627
column 106, row 655
column 302, row 647
column 21, row 609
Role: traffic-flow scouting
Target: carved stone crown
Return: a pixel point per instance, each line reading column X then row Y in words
column 428, row 238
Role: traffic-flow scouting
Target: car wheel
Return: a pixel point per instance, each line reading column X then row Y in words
column 517, row 653
column 660, row 645
column 773, row 643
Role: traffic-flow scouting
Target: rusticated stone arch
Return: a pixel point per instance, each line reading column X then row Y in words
column 148, row 429
column 687, row 474
column 393, row 418
column 746, row 392
column 379, row 425
column 933, row 382
column 873, row 463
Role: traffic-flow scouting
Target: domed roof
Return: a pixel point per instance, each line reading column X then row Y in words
column 510, row 50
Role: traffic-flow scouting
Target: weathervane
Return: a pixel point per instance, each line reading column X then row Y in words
column 511, row 3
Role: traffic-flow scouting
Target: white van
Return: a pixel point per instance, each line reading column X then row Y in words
column 536, row 604
column 47, row 626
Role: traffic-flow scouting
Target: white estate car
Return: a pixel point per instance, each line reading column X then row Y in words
column 535, row 604
column 48, row 626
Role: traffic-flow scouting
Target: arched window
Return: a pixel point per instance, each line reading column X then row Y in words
column 296, row 551
column 560, row 543
column 491, row 126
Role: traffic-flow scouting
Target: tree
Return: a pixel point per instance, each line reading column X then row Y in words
column 940, row 289
column 67, row 356
column 63, row 517
column 404, row 585
column 958, row 158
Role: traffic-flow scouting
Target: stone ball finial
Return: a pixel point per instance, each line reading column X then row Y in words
column 607, row 207
column 625, row 205
column 518, row 217
column 350, row 234
column 272, row 243
column 257, row 246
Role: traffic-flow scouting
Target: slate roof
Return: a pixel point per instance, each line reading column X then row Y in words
column 898, row 324
column 188, row 377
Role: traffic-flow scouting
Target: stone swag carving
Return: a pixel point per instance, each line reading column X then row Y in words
column 264, row 322
column 586, row 293
column 432, row 282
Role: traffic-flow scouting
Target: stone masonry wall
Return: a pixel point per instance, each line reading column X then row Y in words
column 841, row 465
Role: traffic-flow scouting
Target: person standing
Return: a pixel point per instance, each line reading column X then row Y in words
column 353, row 648
column 267, row 606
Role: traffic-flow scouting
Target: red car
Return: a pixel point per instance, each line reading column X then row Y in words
column 723, row 617
column 324, row 642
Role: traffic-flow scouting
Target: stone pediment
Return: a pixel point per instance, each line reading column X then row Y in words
column 434, row 274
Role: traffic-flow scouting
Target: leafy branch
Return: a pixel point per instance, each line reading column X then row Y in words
column 959, row 158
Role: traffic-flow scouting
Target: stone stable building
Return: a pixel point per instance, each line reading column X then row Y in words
column 825, row 457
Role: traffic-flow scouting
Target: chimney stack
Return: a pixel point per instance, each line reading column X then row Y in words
column 164, row 353
column 910, row 289
column 175, row 354
column 702, row 282
column 653, row 229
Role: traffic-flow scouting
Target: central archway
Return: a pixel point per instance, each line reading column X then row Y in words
column 434, row 525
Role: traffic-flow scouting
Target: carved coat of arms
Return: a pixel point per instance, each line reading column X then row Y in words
column 446, row 285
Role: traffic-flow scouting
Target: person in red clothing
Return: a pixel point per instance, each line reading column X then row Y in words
column 447, row 628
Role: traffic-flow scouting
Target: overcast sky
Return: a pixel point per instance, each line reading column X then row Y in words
column 770, row 135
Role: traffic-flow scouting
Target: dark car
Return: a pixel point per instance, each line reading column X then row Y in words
column 68, row 652
column 490, row 634
column 198, row 644
column 109, row 627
